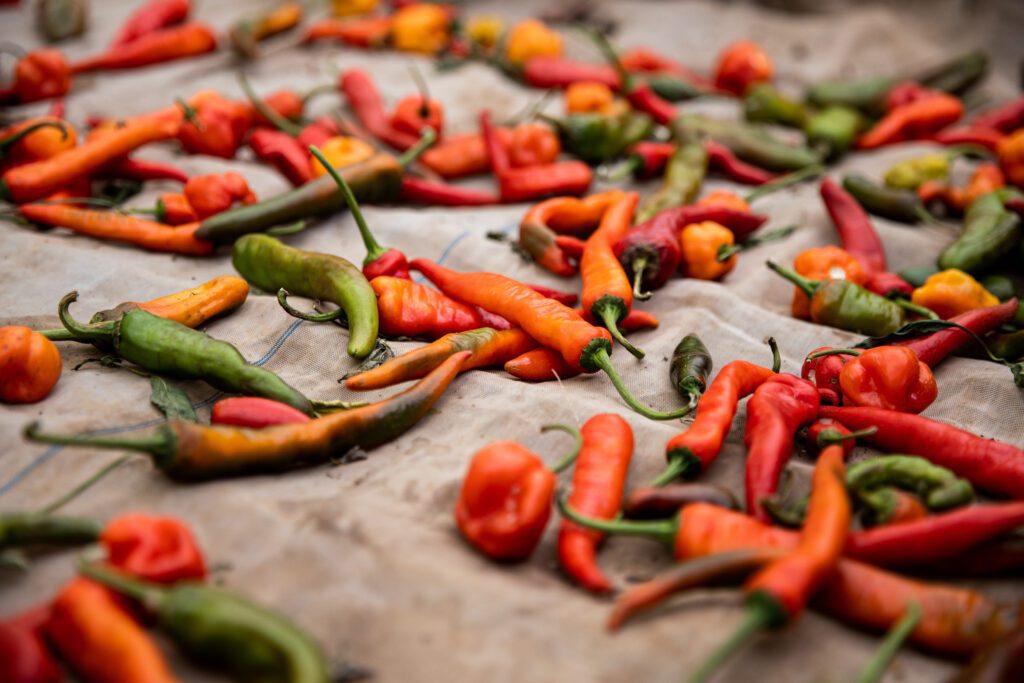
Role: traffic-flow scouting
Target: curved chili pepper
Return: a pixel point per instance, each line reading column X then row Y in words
column 855, row 230
column 409, row 309
column 540, row 365
column 970, row 135
column 559, row 72
column 282, row 152
column 823, row 371
column 938, row 487
column 254, row 412
column 163, row 45
column 488, row 346
column 932, row 348
column 597, row 482
column 777, row 409
column 990, row 465
column 150, row 17
column 583, row 346
column 39, row 75
column 186, row 450
column 721, row 159
column 368, row 32
column 160, row 549
column 913, row 120
column 361, row 94
column 749, row 143
column 24, row 656
column 542, row 224
column 420, row 191
column 272, row 265
column 646, row 60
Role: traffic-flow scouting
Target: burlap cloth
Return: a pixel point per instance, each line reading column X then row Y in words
column 366, row 555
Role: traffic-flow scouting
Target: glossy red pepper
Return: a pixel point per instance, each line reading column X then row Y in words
column 905, row 92
column 646, row 60
column 722, row 159
column 560, row 72
column 254, row 412
column 24, row 655
column 824, row 372
column 430, row 193
column 932, row 348
column 160, row 549
column 152, row 16
column 889, row 377
column 217, row 127
column 741, row 65
column 283, row 153
column 916, row 119
column 409, row 309
column 824, row 433
column 209, row 195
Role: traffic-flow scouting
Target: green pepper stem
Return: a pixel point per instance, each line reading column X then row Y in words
column 776, row 356
column 190, row 113
column 806, row 173
column 80, row 332
column 14, row 138
column 57, row 335
column 756, row 619
column 622, row 170
column 282, row 298
column 612, row 57
column 428, row 136
column 155, row 444
column 318, row 90
column 679, row 464
column 914, row 308
column 835, row 352
column 664, row 530
column 149, row 594
column 603, row 361
column 638, row 266
column 287, row 229
column 608, row 310
column 265, row 111
column 892, row 643
column 63, row 500
column 373, row 248
column 808, row 287
column 725, row 251
column 575, row 433
column 834, row 436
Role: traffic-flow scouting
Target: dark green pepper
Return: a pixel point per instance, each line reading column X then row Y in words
column 898, row 205
column 166, row 347
column 595, row 138
column 223, row 631
column 957, row 76
column 272, row 265
column 690, row 367
column 938, row 487
column 18, row 529
column 990, row 232
column 833, row 130
column 749, row 142
column 1009, row 345
column 684, row 174
column 865, row 94
column 763, row 103
column 673, row 89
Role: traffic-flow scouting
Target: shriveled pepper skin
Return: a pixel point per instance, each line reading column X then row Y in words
column 842, row 304
column 270, row 265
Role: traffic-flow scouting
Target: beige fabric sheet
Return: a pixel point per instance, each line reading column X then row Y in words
column 366, row 555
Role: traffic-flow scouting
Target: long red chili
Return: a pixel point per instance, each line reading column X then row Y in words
column 154, row 15
column 24, row 656
column 598, row 479
column 430, row 193
column 1005, row 118
column 362, row 96
column 164, row 45
column 932, row 348
column 559, row 72
column 283, row 153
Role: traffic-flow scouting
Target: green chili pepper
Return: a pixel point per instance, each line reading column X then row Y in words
column 683, row 177
column 379, row 178
column 690, row 366
column 673, row 89
column 763, row 103
column 19, row 529
column 833, row 130
column 938, row 487
column 749, row 142
column 866, row 94
column 898, row 205
column 271, row 265
column 990, row 232
column 916, row 277
column 223, row 631
column 595, row 138
column 847, row 306
column 1009, row 345
column 956, row 76
column 1004, row 286
column 167, row 347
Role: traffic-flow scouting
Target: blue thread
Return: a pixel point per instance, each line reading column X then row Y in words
column 444, row 254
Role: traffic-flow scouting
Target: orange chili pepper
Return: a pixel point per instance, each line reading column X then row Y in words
column 986, row 178
column 724, row 198
column 364, row 32
column 39, row 75
column 700, row 244
column 29, row 365
column 217, row 127
column 824, row 263
column 741, row 65
column 420, row 27
column 414, row 113
column 35, row 138
column 211, row 194
column 533, row 144
column 889, row 377
column 409, row 309
column 540, row 365
column 952, row 292
column 190, row 307
column 531, row 38
column 341, row 151
column 458, row 156
column 163, row 45
column 1011, row 158
column 561, row 215
column 584, row 97
column 914, row 120
column 173, row 209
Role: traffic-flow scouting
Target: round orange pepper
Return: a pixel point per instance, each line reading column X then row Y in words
column 531, row 38
column 824, row 263
column 533, row 144
column 888, row 377
column 584, row 97
column 700, row 243
column 341, row 151
column 1011, row 158
column 42, row 143
column 420, row 27
column 29, row 365
column 741, row 65
column 952, row 292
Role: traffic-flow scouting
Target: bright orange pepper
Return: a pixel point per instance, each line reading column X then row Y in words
column 700, row 243
column 531, row 38
column 584, row 97
column 824, row 263
column 342, row 151
column 889, row 377
column 421, row 27
column 952, row 292
column 741, row 65
column 724, row 198
column 1011, row 158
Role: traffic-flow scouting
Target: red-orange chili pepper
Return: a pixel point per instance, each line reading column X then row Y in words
column 972, row 135
column 210, row 194
column 173, row 208
column 646, row 60
column 904, row 93
column 916, row 119
column 35, row 138
column 420, row 191
column 409, row 309
column 282, row 104
column 540, row 365
column 561, row 215
column 741, row 65
column 533, row 144
column 24, row 655
column 217, row 127
column 932, row 348
column 889, row 377
column 254, row 412
column 282, row 152
column 30, row 365
column 363, row 98
column 150, row 17
column 778, row 408
column 160, row 549
column 823, row 371
column 163, row 45
column 598, row 479
column 369, row 32
column 458, row 156
column 559, row 72
column 39, row 75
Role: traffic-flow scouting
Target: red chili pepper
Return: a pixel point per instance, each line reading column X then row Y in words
column 559, row 72
column 254, row 412
column 505, row 501
column 142, row 170
column 429, row 193
column 409, row 309
column 1005, row 118
column 824, row 372
column 39, row 75
column 160, row 549
column 983, row 137
column 647, row 159
column 540, row 365
column 650, row 252
column 412, row 114
column 24, row 656
column 644, row 59
column 209, row 195
column 904, row 93
column 721, row 159
column 932, row 348
column 598, row 479
column 318, row 132
column 914, row 120
column 988, row 464
column 174, row 209
column 741, row 65
column 282, row 152
column 532, row 144
column 286, row 104
column 855, row 230
column 538, row 228
column 217, row 128
column 775, row 412
column 643, row 98
column 163, row 45
column 363, row 98
column 154, row 15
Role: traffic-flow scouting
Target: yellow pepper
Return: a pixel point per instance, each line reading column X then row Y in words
column 421, row 28
column 485, row 30
column 585, row 97
column 348, row 8
column 532, row 38
column 952, row 292
column 700, row 243
column 909, row 174
column 1011, row 158
column 341, row 151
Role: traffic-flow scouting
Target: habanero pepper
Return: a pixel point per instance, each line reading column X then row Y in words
column 39, row 75
column 254, row 412
column 163, row 45
column 823, row 433
column 214, row 125
column 598, row 478
column 741, row 65
column 160, row 549
column 212, row 194
column 889, row 377
column 420, row 27
column 583, row 346
column 701, row 245
column 541, row 225
column 951, row 293
column 35, row 138
column 823, row 371
column 189, row 451
column 30, row 365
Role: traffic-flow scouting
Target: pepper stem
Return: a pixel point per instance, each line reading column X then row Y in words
column 808, row 287
column 612, row 57
column 80, row 332
column 776, row 356
column 190, row 113
column 835, row 352
column 14, row 138
column 318, row 90
column 265, row 111
column 834, row 436
column 155, row 444
column 638, row 266
column 282, row 298
column 57, row 335
column 608, row 310
column 428, row 136
column 149, row 594
column 575, row 433
column 726, row 251
column 63, row 500
column 806, row 173
column 679, row 464
column 602, row 361
column 892, row 643
column 662, row 530
column 757, row 619
column 914, row 308
column 421, row 86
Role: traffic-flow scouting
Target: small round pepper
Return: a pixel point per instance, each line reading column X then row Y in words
column 505, row 501
column 485, row 30
column 952, row 292
column 412, row 114
column 584, row 97
column 741, row 65
column 888, row 377
column 824, row 263
column 160, row 549
column 209, row 195
column 531, row 38
column 1011, row 158
column 533, row 144
column 724, row 198
column 420, row 27
column 342, row 151
column 700, row 243
column 29, row 365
